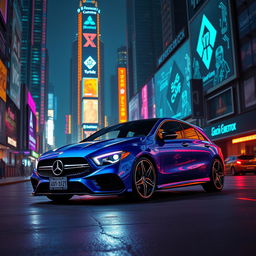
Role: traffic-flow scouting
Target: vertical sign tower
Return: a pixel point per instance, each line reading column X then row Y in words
column 88, row 67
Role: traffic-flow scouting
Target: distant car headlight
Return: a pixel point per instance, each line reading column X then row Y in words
column 110, row 158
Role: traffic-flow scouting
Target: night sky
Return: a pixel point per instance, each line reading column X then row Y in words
column 61, row 31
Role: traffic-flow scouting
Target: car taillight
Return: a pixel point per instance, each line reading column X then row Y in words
column 238, row 162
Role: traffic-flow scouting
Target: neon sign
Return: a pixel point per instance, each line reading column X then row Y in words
column 89, row 40
column 223, row 129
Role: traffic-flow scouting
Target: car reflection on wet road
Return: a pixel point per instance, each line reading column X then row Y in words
column 184, row 221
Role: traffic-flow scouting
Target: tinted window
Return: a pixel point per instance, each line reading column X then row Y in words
column 200, row 136
column 131, row 129
column 189, row 132
column 171, row 127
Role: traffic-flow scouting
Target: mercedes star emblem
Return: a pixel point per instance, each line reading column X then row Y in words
column 57, row 168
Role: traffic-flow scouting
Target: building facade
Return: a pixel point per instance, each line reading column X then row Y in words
column 216, row 48
column 144, row 41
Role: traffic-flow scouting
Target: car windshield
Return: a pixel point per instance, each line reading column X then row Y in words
column 246, row 157
column 138, row 128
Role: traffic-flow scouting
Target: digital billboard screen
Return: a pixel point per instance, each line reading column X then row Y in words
column 11, row 123
column 144, row 102
column 151, row 99
column 172, row 85
column 90, row 111
column 3, row 79
column 31, row 130
column 212, row 49
column 90, row 87
column 2, row 122
column 122, row 94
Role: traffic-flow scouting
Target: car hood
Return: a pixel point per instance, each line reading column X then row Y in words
column 88, row 147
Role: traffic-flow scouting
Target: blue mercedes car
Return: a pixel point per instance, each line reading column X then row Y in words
column 137, row 158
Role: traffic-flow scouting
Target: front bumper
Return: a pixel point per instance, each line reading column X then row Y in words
column 109, row 180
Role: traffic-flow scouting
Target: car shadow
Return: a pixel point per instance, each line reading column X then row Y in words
column 159, row 196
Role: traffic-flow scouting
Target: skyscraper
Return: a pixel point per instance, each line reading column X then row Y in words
column 89, row 68
column 35, row 58
column 144, row 41
column 174, row 18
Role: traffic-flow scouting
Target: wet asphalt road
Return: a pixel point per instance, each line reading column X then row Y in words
column 184, row 221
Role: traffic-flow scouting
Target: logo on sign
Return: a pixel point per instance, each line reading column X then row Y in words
column 89, row 23
column 175, row 87
column 90, row 62
column 89, row 40
column 206, row 41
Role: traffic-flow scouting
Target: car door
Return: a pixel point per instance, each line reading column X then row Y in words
column 199, row 153
column 170, row 153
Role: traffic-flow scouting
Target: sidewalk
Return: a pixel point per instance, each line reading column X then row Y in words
column 13, row 180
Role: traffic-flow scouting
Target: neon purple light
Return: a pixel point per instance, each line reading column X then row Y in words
column 31, row 103
column 144, row 102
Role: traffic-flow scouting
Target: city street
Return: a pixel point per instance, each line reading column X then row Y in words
column 184, row 221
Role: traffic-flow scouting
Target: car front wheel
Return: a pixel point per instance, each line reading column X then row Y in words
column 59, row 198
column 216, row 182
column 144, row 179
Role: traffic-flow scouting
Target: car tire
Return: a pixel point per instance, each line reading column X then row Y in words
column 59, row 198
column 233, row 171
column 216, row 182
column 144, row 179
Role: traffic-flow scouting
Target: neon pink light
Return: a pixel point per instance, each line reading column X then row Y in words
column 247, row 199
column 144, row 102
column 31, row 103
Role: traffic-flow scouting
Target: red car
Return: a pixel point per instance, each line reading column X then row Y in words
column 239, row 165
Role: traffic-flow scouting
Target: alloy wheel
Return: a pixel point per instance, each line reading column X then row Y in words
column 218, row 175
column 145, row 178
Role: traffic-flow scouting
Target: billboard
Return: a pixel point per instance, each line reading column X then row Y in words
column 88, row 63
column 122, row 95
column 31, row 103
column 15, row 82
column 3, row 9
column 172, row 85
column 2, row 122
column 212, row 49
column 144, row 102
column 90, row 87
column 11, row 123
column 151, row 99
column 134, row 108
column 3, row 79
column 31, row 130
column 90, row 111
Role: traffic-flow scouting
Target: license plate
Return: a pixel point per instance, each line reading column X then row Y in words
column 58, row 183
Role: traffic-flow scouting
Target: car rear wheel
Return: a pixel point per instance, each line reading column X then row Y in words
column 216, row 182
column 144, row 179
column 233, row 171
column 60, row 198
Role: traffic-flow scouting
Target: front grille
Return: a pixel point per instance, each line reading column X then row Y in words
column 73, row 187
column 73, row 166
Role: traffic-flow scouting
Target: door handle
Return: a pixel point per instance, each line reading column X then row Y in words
column 185, row 144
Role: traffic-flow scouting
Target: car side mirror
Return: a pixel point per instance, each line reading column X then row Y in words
column 169, row 135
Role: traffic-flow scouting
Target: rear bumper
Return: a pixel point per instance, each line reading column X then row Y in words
column 245, row 168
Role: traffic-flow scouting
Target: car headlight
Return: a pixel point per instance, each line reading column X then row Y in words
column 110, row 158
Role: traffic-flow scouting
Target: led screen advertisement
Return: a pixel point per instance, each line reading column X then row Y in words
column 90, row 87
column 2, row 122
column 3, row 79
column 90, row 111
column 151, row 99
column 212, row 45
column 11, row 123
column 144, row 102
column 31, row 130
column 90, row 41
column 122, row 95
column 172, row 85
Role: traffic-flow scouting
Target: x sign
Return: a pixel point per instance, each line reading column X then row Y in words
column 89, row 39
